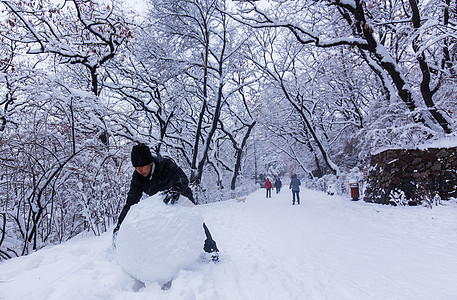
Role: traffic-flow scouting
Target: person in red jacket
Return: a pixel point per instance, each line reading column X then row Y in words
column 268, row 187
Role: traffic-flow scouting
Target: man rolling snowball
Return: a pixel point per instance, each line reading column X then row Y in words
column 155, row 174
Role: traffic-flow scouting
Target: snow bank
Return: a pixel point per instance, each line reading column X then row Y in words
column 157, row 240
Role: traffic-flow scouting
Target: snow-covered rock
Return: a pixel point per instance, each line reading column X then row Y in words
column 157, row 240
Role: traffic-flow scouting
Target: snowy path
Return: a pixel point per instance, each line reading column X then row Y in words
column 328, row 248
column 325, row 248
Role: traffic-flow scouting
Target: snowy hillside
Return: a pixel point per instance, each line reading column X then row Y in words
column 325, row 248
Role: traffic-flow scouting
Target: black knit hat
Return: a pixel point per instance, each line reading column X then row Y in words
column 141, row 155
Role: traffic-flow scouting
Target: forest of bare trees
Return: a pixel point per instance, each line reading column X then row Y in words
column 231, row 90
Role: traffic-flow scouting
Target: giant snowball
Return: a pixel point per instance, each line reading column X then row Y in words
column 156, row 240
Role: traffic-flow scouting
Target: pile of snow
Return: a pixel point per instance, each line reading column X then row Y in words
column 157, row 240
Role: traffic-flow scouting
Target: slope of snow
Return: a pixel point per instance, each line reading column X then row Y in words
column 325, row 248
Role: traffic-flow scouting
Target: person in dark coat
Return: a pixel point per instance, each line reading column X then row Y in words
column 278, row 185
column 154, row 174
column 268, row 187
column 295, row 186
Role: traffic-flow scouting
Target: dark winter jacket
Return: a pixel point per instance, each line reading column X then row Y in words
column 278, row 183
column 164, row 176
column 295, row 183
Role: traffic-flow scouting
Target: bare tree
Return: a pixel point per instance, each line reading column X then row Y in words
column 86, row 33
column 204, row 46
column 342, row 23
column 54, row 120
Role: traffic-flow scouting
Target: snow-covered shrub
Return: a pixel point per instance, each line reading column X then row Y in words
column 397, row 197
column 333, row 185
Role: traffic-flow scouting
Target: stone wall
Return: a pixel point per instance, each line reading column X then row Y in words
column 410, row 176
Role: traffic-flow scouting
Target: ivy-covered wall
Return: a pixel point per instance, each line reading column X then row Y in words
column 408, row 177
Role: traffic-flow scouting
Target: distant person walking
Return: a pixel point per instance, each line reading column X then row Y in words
column 295, row 186
column 278, row 185
column 268, row 187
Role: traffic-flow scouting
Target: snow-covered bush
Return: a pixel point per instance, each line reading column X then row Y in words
column 333, row 185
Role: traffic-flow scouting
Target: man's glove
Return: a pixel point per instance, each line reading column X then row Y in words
column 171, row 196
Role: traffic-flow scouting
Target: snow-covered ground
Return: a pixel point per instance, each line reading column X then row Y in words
column 325, row 248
